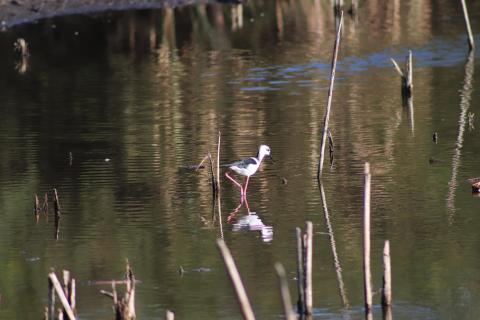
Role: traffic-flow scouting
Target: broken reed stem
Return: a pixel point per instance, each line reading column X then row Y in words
column 331, row 147
column 242, row 297
column 51, row 301
column 406, row 75
column 169, row 315
column 36, row 205
column 471, row 43
column 285, row 292
column 214, row 180
column 56, row 203
column 387, row 277
column 367, row 276
column 300, row 278
column 308, row 268
column 45, row 204
column 329, row 99
column 58, row 289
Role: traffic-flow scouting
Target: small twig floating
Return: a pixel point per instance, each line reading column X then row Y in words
column 242, row 297
column 367, row 276
column 406, row 75
column 329, row 99
column 471, row 43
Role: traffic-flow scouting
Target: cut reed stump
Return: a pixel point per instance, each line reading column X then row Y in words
column 406, row 75
column 54, row 287
column 329, row 98
column 367, row 276
column 169, row 315
column 124, row 307
column 471, row 43
column 387, row 277
column 305, row 269
column 242, row 297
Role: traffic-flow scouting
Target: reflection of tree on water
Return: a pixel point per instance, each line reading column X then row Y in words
column 249, row 222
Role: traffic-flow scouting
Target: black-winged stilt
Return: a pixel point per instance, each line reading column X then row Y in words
column 247, row 167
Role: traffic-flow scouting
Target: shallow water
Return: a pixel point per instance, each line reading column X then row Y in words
column 135, row 96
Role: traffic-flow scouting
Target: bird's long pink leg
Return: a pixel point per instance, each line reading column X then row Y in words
column 245, row 188
column 236, row 183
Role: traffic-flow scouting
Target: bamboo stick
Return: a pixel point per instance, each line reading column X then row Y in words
column 242, row 297
column 285, row 293
column 300, row 277
column 61, row 295
column 471, row 43
column 329, row 99
column 367, row 276
column 309, row 268
column 387, row 277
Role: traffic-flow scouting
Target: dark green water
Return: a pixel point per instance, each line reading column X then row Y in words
column 134, row 96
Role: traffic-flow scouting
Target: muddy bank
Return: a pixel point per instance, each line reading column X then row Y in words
column 15, row 12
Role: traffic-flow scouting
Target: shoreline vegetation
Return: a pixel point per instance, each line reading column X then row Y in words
column 17, row 12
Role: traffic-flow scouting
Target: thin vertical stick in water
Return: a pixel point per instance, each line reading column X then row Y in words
column 465, row 98
column 309, row 268
column 409, row 67
column 329, row 99
column 300, row 276
column 214, row 180
column 218, row 163
column 36, row 205
column 387, row 277
column 367, row 276
column 56, row 203
column 242, row 297
column 285, row 293
column 471, row 43
column 169, row 315
column 61, row 295
column 51, row 300
column 336, row 261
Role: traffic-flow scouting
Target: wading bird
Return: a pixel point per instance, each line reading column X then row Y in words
column 247, row 167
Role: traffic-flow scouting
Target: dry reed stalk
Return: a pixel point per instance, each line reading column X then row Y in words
column 58, row 289
column 387, row 277
column 300, row 277
column 169, row 315
column 36, row 206
column 242, row 297
column 285, row 292
column 471, row 43
column 329, row 99
column 308, row 268
column 367, row 276
column 406, row 75
column 218, row 164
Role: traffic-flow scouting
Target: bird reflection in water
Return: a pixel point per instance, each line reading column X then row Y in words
column 249, row 222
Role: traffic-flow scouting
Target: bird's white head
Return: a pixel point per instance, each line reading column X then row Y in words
column 263, row 151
